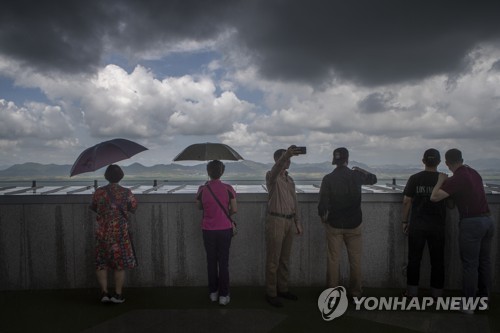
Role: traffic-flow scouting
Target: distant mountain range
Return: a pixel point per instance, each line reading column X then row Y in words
column 242, row 170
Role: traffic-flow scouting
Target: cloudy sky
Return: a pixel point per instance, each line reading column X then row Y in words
column 387, row 79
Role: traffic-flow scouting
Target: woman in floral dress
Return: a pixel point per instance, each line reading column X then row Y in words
column 114, row 249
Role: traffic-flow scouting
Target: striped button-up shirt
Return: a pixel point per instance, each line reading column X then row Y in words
column 281, row 189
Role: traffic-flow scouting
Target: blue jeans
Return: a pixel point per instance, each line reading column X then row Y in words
column 475, row 237
column 217, row 244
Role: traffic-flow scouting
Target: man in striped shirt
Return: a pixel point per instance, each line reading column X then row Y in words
column 281, row 222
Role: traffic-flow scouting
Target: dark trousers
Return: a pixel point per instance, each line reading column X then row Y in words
column 217, row 244
column 475, row 239
column 416, row 244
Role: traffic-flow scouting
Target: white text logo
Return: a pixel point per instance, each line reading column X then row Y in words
column 421, row 304
column 332, row 303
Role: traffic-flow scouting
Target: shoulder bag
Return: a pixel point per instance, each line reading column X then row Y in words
column 235, row 230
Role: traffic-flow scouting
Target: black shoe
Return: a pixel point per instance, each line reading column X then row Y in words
column 405, row 294
column 288, row 295
column 274, row 301
column 117, row 298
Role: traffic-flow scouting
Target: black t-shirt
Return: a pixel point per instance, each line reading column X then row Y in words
column 425, row 214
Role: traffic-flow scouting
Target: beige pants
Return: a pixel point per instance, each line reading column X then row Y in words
column 279, row 237
column 353, row 242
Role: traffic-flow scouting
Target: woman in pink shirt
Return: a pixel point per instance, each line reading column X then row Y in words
column 218, row 202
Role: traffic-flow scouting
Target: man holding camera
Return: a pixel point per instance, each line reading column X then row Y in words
column 340, row 208
column 281, row 221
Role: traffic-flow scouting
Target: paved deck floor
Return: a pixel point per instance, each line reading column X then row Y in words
column 187, row 309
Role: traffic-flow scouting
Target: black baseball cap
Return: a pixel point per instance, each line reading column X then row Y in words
column 340, row 155
column 432, row 156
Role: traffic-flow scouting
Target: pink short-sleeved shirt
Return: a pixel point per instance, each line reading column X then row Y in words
column 214, row 217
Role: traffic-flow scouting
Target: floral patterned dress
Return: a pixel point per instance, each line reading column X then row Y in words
column 114, row 249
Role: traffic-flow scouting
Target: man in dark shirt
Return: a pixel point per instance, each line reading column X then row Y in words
column 426, row 225
column 340, row 208
column 476, row 228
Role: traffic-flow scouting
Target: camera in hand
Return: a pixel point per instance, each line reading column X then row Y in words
column 301, row 150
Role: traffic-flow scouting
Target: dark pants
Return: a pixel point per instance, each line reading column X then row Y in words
column 217, row 244
column 416, row 244
column 475, row 238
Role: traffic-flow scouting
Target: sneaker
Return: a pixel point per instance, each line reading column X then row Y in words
column 214, row 296
column 117, row 298
column 274, row 301
column 224, row 300
column 105, row 297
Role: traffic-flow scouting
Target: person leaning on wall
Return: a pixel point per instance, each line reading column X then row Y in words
column 113, row 243
column 282, row 220
column 424, row 223
column 218, row 202
column 476, row 226
column 340, row 210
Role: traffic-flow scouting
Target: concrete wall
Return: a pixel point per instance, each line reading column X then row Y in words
column 46, row 242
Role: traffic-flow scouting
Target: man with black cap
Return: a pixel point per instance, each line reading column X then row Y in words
column 424, row 225
column 476, row 228
column 340, row 208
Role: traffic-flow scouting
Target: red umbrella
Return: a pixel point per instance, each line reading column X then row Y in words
column 105, row 153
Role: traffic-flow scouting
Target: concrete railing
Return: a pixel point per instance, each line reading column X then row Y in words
column 46, row 242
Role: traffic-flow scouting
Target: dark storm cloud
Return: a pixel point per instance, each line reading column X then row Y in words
column 371, row 42
column 375, row 103
column 367, row 42
column 62, row 35
column 496, row 66
column 71, row 35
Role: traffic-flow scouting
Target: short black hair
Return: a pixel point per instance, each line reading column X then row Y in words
column 113, row 173
column 215, row 169
column 278, row 153
column 453, row 156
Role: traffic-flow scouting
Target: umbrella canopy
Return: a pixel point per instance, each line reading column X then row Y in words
column 208, row 151
column 105, row 153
